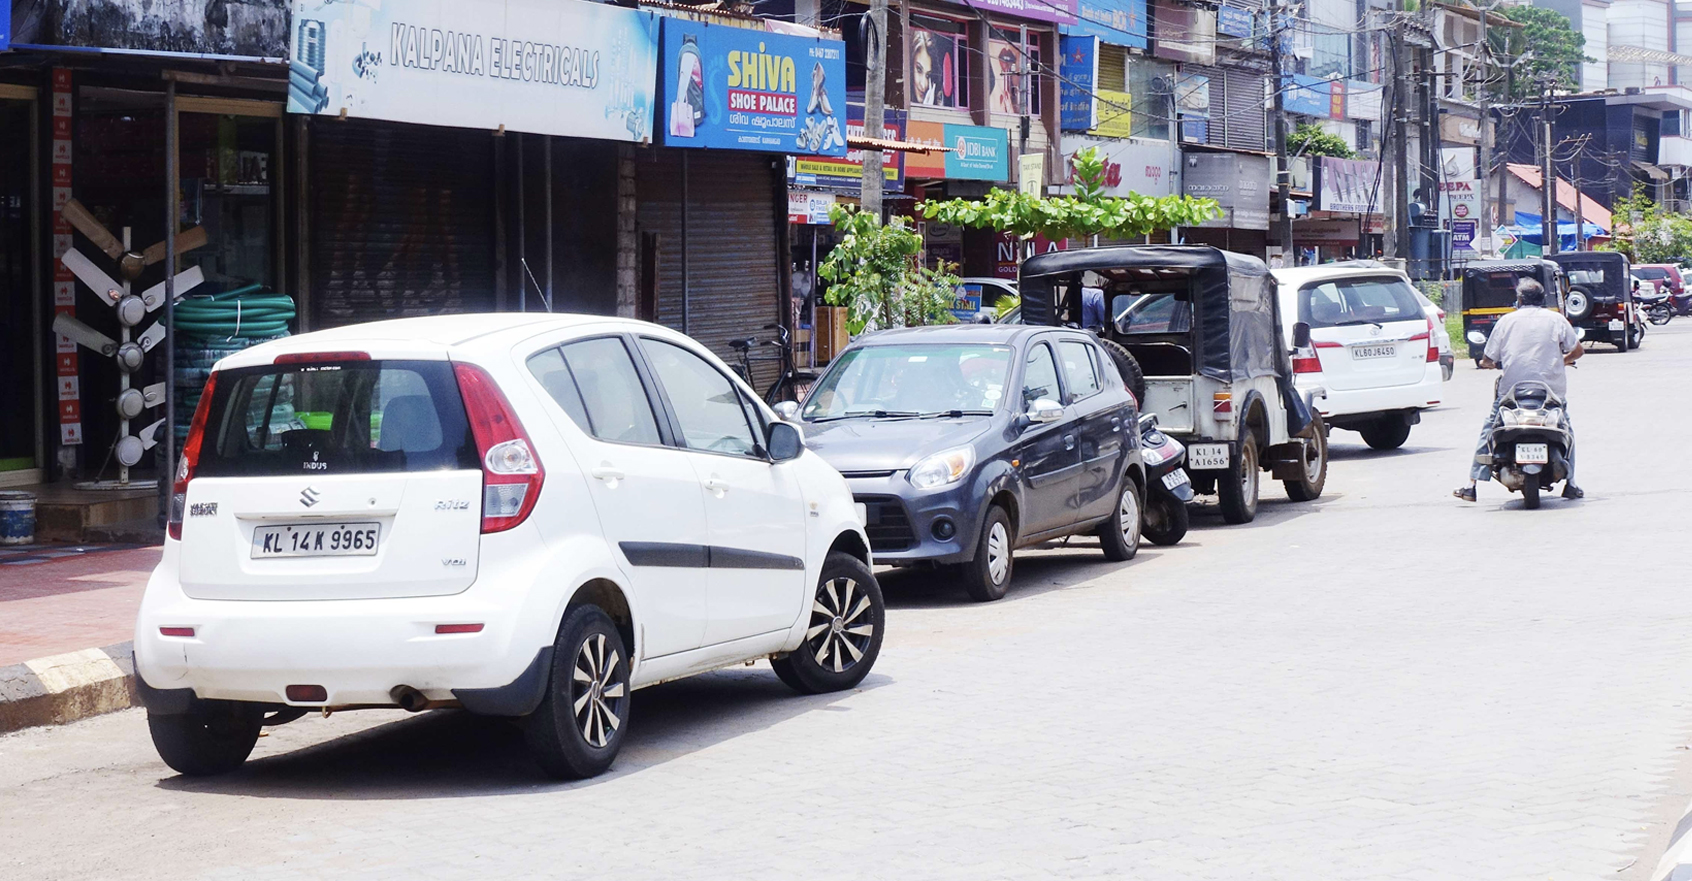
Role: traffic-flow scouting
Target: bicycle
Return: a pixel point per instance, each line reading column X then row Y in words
column 792, row 384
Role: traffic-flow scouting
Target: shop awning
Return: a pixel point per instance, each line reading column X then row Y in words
column 1651, row 171
column 862, row 142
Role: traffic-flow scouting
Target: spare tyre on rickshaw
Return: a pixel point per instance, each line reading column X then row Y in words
column 1489, row 292
column 1600, row 299
column 1197, row 334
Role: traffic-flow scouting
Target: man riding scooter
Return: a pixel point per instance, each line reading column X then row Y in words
column 1531, row 344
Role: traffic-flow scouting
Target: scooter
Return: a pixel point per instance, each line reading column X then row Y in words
column 1168, row 488
column 1529, row 444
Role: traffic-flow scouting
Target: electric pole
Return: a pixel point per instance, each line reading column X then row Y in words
column 1484, row 95
column 875, row 105
column 1283, row 179
column 1400, row 148
column 1548, row 175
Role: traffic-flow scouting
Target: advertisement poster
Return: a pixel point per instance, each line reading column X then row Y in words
column 1463, row 235
column 1130, row 166
column 1239, row 184
column 1347, row 185
column 1459, row 200
column 1057, row 11
column 935, row 68
column 1307, row 95
column 579, row 69
column 1116, row 116
column 740, row 89
column 1079, row 74
column 978, row 152
column 809, row 208
column 1004, row 80
column 847, row 172
column 1192, row 102
column 1363, row 99
column 1184, row 33
column 1117, row 22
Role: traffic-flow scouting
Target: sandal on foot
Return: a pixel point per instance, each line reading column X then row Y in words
column 1466, row 493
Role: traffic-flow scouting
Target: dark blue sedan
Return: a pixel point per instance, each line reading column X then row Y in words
column 966, row 442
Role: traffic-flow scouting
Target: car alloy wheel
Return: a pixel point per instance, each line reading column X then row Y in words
column 596, row 692
column 840, row 631
column 998, row 552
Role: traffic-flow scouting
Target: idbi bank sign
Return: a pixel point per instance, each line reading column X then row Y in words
column 742, row 89
column 976, row 152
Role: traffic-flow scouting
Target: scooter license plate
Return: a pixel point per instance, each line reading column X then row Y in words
column 1207, row 456
column 1176, row 478
column 1532, row 454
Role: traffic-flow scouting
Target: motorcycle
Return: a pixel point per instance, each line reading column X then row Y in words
column 1656, row 305
column 1529, row 444
column 1168, row 488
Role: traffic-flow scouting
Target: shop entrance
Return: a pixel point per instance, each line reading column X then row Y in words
column 20, row 292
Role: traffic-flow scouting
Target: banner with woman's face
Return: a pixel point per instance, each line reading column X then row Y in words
column 934, row 69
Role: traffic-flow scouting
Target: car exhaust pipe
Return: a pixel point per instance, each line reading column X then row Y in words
column 410, row 699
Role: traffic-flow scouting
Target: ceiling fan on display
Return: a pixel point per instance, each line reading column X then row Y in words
column 128, row 353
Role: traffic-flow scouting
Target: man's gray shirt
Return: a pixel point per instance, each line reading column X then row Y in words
column 1529, row 344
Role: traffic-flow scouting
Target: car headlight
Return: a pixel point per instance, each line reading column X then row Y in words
column 943, row 468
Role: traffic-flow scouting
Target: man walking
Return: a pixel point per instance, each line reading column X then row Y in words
column 1531, row 344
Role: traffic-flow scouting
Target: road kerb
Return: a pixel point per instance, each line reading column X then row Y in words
column 68, row 687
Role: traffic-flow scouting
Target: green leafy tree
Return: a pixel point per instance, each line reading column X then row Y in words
column 1558, row 50
column 1087, row 213
column 1646, row 233
column 1309, row 139
column 877, row 274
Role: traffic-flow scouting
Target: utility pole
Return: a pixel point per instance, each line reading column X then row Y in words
column 1484, row 96
column 875, row 105
column 1400, row 148
column 1283, row 178
column 1548, row 175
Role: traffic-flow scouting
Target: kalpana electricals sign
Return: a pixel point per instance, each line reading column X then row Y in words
column 743, row 89
column 556, row 67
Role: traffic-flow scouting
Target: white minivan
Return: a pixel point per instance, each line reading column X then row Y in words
column 519, row 515
column 1373, row 362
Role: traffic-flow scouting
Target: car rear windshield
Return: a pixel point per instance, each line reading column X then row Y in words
column 912, row 380
column 353, row 417
column 1350, row 301
column 1651, row 273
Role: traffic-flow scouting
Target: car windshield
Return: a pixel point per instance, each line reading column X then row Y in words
column 912, row 380
column 1351, row 301
column 1650, row 273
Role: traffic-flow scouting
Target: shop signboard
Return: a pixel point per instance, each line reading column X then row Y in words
column 1184, row 33
column 977, row 152
column 1055, row 11
column 1459, row 200
column 1463, row 235
column 1078, row 75
column 1117, row 22
column 1347, row 185
column 741, row 89
column 805, row 207
column 1192, row 104
column 847, row 172
column 1129, row 166
column 1116, row 115
column 1031, row 174
column 1362, row 99
column 1307, row 95
column 1238, row 182
column 1336, row 99
column 5, row 25
column 580, row 69
column 1325, row 232
column 1235, row 21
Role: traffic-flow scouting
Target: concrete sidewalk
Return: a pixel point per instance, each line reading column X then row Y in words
column 67, row 613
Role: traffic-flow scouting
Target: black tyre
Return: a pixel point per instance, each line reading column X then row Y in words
column 1120, row 534
column 1166, row 519
column 1386, row 433
column 1129, row 367
column 1308, row 486
column 843, row 638
column 580, row 723
column 1660, row 315
column 1237, row 488
column 1530, row 492
column 1636, row 334
column 988, row 576
column 213, row 737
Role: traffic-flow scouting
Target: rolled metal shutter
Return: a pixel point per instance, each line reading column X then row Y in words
column 735, row 288
column 402, row 221
column 1238, row 118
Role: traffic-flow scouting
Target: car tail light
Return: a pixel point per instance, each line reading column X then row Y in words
column 1306, row 361
column 190, row 458
column 1433, row 345
column 1222, row 403
column 511, row 472
column 320, row 357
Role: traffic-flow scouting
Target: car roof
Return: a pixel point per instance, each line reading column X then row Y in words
column 988, row 334
column 418, row 337
column 984, row 279
column 1298, row 276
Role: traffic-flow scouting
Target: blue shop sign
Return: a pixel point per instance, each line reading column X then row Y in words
column 1235, row 21
column 1308, row 95
column 5, row 25
column 978, row 153
column 739, row 89
column 1078, row 74
column 1117, row 22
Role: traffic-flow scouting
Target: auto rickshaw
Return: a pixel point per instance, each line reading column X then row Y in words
column 1600, row 300
column 1199, row 330
column 1489, row 290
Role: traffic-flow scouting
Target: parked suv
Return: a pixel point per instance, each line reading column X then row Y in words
column 965, row 442
column 1372, row 363
column 518, row 515
column 1667, row 279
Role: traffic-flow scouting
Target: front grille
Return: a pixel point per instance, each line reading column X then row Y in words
column 888, row 526
column 852, row 474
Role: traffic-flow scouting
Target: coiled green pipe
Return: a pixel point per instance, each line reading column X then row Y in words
column 242, row 312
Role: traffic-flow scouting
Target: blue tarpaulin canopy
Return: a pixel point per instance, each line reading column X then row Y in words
column 1529, row 230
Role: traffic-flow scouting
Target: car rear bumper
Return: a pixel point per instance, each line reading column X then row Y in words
column 1366, row 401
column 902, row 520
column 357, row 650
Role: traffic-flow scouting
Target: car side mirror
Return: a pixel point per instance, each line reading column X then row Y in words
column 788, row 411
column 1301, row 335
column 1044, row 410
column 785, row 442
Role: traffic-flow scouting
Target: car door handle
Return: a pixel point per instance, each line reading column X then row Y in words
column 1069, row 441
column 716, row 485
column 607, row 472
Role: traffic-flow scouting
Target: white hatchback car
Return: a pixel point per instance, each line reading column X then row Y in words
column 1373, row 358
column 520, row 515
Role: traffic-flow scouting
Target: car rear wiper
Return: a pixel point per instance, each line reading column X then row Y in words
column 876, row 414
column 954, row 414
column 1355, row 322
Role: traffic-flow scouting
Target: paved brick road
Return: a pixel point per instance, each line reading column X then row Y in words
column 1385, row 684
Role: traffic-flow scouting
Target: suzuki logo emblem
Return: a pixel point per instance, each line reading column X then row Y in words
column 309, row 496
